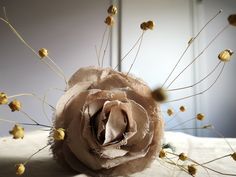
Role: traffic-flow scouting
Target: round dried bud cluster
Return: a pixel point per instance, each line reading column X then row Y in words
column 109, row 21
column 15, row 105
column 59, row 134
column 112, row 10
column 113, row 125
column 170, row 112
column 234, row 156
column 200, row 116
column 17, row 132
column 159, row 95
column 162, row 154
column 182, row 108
column 20, row 169
column 147, row 25
column 43, row 52
column 3, row 98
column 225, row 55
column 192, row 170
column 232, row 19
column 183, row 156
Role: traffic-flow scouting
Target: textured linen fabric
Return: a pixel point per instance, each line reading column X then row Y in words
column 200, row 149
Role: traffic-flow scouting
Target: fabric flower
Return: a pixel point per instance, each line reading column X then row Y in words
column 113, row 124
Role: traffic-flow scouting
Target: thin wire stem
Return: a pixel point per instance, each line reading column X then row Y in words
column 182, row 123
column 5, row 13
column 22, row 123
column 96, row 50
column 200, row 54
column 194, row 128
column 172, row 118
column 135, row 58
column 31, row 94
column 58, row 68
column 44, row 101
column 221, row 135
column 181, row 88
column 200, row 93
column 135, row 44
column 104, row 52
column 216, row 159
column 100, row 49
column 29, row 117
column 35, row 154
column 189, row 44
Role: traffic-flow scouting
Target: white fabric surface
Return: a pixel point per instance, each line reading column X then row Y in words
column 42, row 165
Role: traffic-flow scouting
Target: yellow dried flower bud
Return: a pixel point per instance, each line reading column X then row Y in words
column 144, row 26
column 150, row 25
column 183, row 156
column 109, row 21
column 43, row 52
column 15, row 105
column 59, row 134
column 192, row 170
column 182, row 108
column 162, row 154
column 200, row 116
column 20, row 169
column 112, row 10
column 170, row 112
column 17, row 132
column 225, row 55
column 3, row 98
column 232, row 19
column 234, row 156
column 159, row 95
column 191, row 40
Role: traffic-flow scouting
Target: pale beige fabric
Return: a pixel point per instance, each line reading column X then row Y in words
column 201, row 149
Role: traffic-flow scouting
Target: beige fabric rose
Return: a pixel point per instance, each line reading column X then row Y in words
column 113, row 126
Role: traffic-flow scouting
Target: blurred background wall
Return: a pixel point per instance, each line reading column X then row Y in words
column 71, row 29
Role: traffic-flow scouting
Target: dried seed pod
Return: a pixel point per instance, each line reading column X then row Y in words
column 15, row 105
column 234, row 156
column 232, row 19
column 159, row 95
column 144, row 26
column 200, row 116
column 112, row 10
column 183, row 156
column 182, row 108
column 3, row 98
column 150, row 25
column 17, row 132
column 20, row 169
column 170, row 112
column 59, row 134
column 109, row 20
column 162, row 154
column 43, row 52
column 192, row 170
column 225, row 55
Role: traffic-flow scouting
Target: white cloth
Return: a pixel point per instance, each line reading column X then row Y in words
column 42, row 165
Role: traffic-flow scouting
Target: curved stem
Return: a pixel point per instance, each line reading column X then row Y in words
column 181, row 88
column 189, row 44
column 200, row 93
column 104, row 52
column 35, row 154
column 135, row 44
column 139, row 47
column 208, row 45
